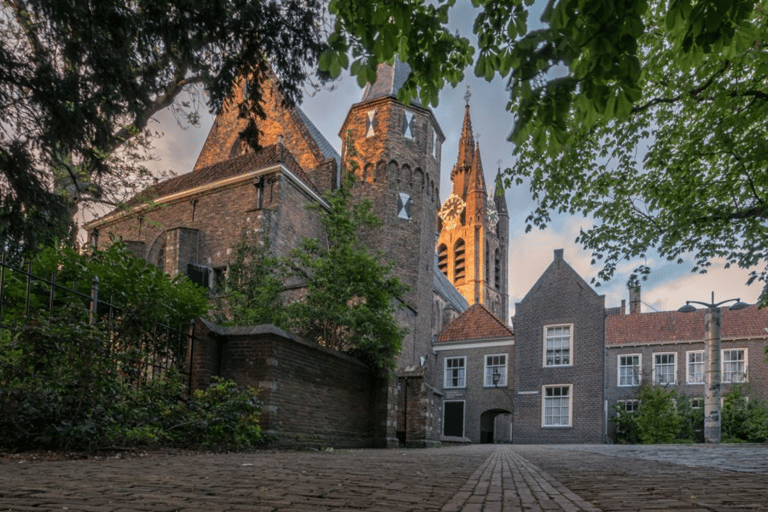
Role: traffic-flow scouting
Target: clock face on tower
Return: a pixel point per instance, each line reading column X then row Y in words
column 451, row 211
column 491, row 213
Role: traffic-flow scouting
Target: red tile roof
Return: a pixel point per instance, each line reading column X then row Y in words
column 476, row 323
column 673, row 326
column 269, row 155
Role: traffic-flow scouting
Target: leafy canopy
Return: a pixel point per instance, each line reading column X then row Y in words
column 646, row 115
column 80, row 81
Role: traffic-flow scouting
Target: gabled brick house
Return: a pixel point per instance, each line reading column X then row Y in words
column 559, row 360
column 476, row 355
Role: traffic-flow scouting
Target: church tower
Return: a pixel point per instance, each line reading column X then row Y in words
column 473, row 230
column 394, row 149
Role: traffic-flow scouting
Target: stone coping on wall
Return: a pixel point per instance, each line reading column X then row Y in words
column 238, row 331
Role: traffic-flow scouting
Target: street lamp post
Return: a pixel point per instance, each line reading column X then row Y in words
column 712, row 319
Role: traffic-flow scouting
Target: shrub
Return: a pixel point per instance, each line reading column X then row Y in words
column 657, row 420
column 743, row 420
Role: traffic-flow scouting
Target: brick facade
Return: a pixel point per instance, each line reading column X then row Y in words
column 311, row 396
column 560, row 298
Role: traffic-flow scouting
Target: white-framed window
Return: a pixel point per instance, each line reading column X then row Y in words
column 664, row 368
column 629, row 369
column 558, row 345
column 734, row 363
column 556, row 410
column 370, row 123
column 632, row 405
column 695, row 367
column 697, row 403
column 455, row 372
column 495, row 365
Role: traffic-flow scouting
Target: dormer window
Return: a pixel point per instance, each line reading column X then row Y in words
column 408, row 125
column 370, row 124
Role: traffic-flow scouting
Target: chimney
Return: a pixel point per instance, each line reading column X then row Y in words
column 623, row 307
column 634, row 299
column 558, row 255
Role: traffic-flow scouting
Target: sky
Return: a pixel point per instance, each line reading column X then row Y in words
column 668, row 286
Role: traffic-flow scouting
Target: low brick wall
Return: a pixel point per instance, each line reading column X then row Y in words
column 312, row 396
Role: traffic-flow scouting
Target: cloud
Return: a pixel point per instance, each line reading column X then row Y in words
column 726, row 283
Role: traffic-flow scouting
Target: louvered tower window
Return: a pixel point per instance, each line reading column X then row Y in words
column 498, row 270
column 459, row 260
column 442, row 259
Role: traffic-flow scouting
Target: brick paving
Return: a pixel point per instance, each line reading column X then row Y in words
column 483, row 478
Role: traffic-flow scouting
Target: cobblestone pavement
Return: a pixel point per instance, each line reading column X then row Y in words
column 465, row 478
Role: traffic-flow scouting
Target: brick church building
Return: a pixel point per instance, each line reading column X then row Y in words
column 464, row 374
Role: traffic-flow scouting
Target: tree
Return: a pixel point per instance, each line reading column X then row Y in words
column 657, row 419
column 80, row 80
column 682, row 81
column 250, row 292
column 351, row 296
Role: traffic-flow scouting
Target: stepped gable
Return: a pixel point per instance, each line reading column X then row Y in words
column 270, row 155
column 476, row 323
column 675, row 327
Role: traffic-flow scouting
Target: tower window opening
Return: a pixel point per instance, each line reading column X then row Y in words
column 498, row 270
column 442, row 259
column 459, row 260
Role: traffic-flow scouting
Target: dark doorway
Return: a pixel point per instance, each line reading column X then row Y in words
column 453, row 420
column 495, row 429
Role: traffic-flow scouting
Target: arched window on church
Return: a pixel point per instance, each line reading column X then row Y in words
column 156, row 253
column 442, row 259
column 458, row 259
column 498, row 270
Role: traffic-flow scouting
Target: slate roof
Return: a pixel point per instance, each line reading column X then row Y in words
column 267, row 156
column 674, row 327
column 476, row 323
column 443, row 287
column 325, row 146
column 389, row 80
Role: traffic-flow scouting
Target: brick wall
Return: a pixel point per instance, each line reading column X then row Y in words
column 560, row 297
column 419, row 410
column 223, row 141
column 388, row 164
column 201, row 229
column 479, row 398
column 757, row 370
column 311, row 396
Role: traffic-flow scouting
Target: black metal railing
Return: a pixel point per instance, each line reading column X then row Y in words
column 141, row 351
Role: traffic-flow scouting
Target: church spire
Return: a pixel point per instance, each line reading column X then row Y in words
column 476, row 171
column 466, row 145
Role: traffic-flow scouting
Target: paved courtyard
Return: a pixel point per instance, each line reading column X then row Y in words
column 463, row 478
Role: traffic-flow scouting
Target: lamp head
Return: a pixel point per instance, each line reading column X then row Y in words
column 739, row 305
column 687, row 309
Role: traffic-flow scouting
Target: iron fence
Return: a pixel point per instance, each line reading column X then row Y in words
column 140, row 354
